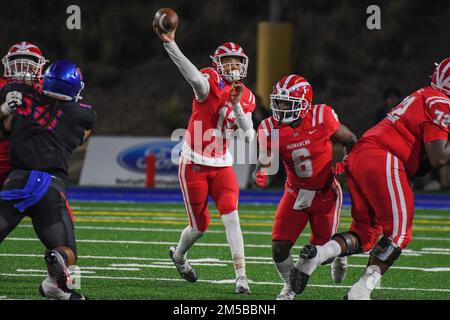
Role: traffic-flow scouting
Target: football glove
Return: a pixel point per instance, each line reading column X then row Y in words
column 341, row 166
column 12, row 101
column 261, row 178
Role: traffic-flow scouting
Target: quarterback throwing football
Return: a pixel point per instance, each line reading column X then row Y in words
column 220, row 102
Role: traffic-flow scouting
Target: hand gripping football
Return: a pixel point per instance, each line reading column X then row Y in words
column 166, row 20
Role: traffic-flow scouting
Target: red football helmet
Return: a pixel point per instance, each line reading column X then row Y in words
column 291, row 99
column 24, row 61
column 230, row 49
column 441, row 77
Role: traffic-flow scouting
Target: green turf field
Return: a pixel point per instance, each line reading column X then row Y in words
column 123, row 254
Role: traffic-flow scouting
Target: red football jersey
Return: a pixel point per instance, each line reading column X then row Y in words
column 422, row 117
column 306, row 151
column 209, row 120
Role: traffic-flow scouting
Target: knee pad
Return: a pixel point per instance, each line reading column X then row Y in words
column 227, row 203
column 69, row 255
column 352, row 241
column 386, row 251
column 280, row 250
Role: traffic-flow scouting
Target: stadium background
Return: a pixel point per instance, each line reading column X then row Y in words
column 137, row 91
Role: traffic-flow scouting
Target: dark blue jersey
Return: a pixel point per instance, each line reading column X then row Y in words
column 44, row 132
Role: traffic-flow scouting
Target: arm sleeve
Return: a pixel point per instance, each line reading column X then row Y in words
column 243, row 120
column 264, row 144
column 243, row 114
column 87, row 117
column 193, row 76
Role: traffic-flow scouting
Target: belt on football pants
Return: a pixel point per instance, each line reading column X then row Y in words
column 36, row 187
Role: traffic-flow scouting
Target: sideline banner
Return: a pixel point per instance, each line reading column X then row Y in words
column 120, row 162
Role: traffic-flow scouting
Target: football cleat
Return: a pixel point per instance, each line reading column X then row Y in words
column 184, row 267
column 57, row 269
column 338, row 269
column 307, row 261
column 242, row 285
column 50, row 289
column 286, row 294
column 298, row 280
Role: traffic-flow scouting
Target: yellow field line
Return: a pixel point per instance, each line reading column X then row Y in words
column 155, row 214
column 250, row 216
column 245, row 224
column 165, row 222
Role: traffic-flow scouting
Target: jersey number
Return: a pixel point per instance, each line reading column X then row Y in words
column 302, row 165
column 395, row 114
column 442, row 118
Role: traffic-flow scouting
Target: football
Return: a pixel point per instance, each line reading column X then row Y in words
column 166, row 20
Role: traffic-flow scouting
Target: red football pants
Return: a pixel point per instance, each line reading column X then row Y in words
column 382, row 199
column 197, row 182
column 322, row 215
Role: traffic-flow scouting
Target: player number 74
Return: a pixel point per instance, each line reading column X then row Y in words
column 395, row 114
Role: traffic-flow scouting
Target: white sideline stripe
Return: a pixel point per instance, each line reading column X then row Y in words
column 110, row 268
column 209, row 231
column 405, row 252
column 81, row 257
column 437, row 249
column 159, row 266
column 225, row 282
column 227, row 263
column 436, row 269
column 45, row 271
column 169, row 265
column 264, row 233
column 432, row 238
column 148, row 242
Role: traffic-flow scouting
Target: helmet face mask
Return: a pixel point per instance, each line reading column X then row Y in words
column 24, row 62
column 286, row 109
column 230, row 62
column 291, row 99
column 226, row 67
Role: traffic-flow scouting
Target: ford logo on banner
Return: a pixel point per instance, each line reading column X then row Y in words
column 134, row 158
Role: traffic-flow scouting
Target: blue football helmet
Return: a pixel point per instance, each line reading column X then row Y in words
column 63, row 81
